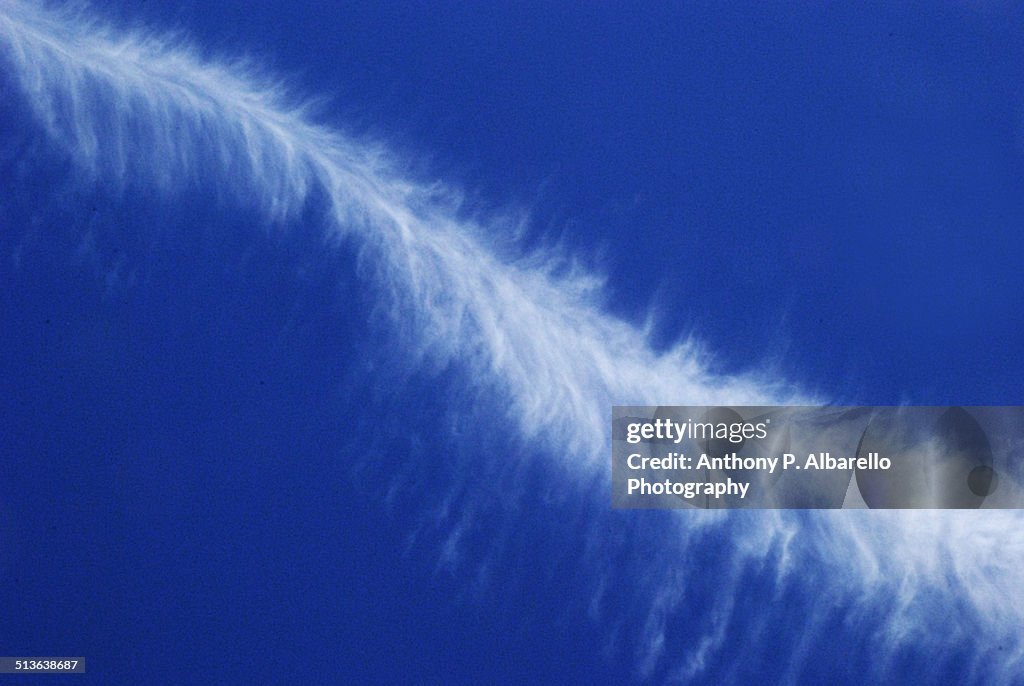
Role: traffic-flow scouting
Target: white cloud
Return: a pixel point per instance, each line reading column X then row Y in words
column 136, row 108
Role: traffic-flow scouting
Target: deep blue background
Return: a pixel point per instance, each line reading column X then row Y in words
column 191, row 418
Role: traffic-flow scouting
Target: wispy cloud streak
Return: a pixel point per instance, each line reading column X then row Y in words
column 131, row 106
column 137, row 108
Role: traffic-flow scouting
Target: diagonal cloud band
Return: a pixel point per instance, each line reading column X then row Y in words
column 134, row 107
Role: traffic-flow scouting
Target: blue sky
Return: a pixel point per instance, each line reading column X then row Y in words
column 254, row 431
